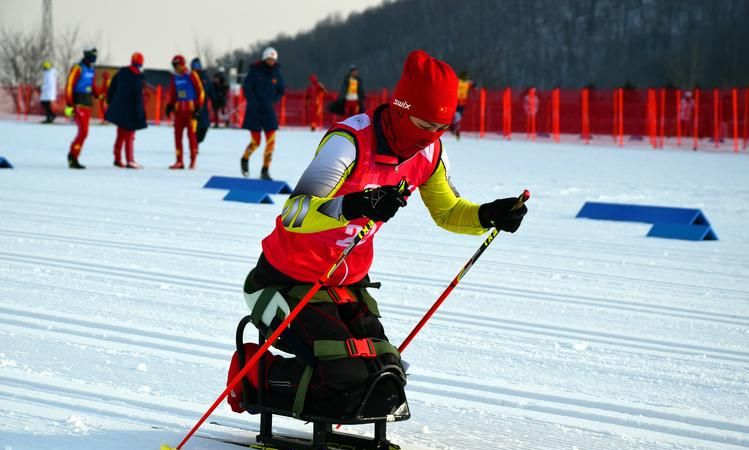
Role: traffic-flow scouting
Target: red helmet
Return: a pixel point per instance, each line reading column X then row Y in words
column 136, row 59
column 178, row 60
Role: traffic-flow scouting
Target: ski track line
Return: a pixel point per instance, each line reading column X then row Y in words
column 618, row 249
column 477, row 287
column 622, row 341
column 161, row 249
column 128, row 274
column 637, row 422
column 650, row 413
column 254, row 225
column 532, row 269
column 470, row 286
column 63, row 324
column 490, row 323
column 100, row 403
column 250, row 225
column 177, row 215
column 152, row 413
column 129, row 343
column 182, row 344
column 76, row 221
column 197, row 308
column 76, row 225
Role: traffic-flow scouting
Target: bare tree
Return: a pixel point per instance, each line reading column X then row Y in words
column 21, row 57
column 68, row 47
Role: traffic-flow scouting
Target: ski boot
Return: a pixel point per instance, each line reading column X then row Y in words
column 73, row 162
column 244, row 165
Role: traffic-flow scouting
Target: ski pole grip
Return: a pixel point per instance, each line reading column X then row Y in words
column 522, row 198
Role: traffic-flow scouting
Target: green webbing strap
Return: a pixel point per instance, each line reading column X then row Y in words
column 301, row 391
column 327, row 350
column 300, row 290
column 323, row 296
column 261, row 304
column 370, row 302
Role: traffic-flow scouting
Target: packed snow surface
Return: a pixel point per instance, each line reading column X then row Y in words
column 120, row 291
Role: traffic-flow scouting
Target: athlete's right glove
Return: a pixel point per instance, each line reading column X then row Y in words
column 169, row 109
column 379, row 204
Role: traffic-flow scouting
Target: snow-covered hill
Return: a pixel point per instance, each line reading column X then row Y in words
column 120, row 292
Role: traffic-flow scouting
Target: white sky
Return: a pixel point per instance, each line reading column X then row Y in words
column 162, row 28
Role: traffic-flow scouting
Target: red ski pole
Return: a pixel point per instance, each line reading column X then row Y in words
column 521, row 199
column 272, row 338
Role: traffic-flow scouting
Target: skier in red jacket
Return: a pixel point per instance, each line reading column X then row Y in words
column 186, row 98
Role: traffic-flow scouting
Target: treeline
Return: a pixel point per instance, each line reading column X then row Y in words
column 545, row 43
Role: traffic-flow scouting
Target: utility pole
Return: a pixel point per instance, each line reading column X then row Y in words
column 47, row 30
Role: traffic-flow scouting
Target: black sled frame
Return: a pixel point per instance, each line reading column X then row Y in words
column 323, row 435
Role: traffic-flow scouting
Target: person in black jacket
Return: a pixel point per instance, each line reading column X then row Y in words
column 263, row 88
column 352, row 93
column 204, row 119
column 126, row 110
column 220, row 94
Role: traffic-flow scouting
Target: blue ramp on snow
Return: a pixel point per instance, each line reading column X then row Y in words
column 248, row 197
column 681, row 231
column 5, row 164
column 668, row 222
column 248, row 184
column 642, row 213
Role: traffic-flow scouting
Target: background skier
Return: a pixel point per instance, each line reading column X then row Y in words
column 48, row 91
column 80, row 91
column 313, row 99
column 186, row 98
column 204, row 119
column 352, row 92
column 263, row 87
column 126, row 109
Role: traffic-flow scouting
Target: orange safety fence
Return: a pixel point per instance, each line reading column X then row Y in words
column 653, row 114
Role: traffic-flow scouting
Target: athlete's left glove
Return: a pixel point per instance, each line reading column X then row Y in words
column 500, row 214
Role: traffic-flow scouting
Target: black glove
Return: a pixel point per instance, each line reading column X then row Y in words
column 500, row 214
column 196, row 114
column 169, row 109
column 379, row 204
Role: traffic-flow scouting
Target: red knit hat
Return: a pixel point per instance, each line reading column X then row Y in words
column 427, row 89
column 137, row 59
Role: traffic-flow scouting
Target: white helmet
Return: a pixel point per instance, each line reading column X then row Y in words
column 270, row 52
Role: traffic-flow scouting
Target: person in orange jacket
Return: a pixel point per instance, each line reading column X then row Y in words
column 186, row 98
column 80, row 91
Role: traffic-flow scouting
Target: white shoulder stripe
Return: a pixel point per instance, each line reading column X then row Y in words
column 428, row 152
column 357, row 122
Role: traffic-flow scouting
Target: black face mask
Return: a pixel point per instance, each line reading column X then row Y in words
column 89, row 57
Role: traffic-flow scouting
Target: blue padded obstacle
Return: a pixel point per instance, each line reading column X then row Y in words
column 673, row 223
column 248, row 184
column 5, row 164
column 248, row 196
column 681, row 231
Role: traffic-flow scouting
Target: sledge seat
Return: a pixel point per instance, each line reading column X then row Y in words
column 370, row 411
